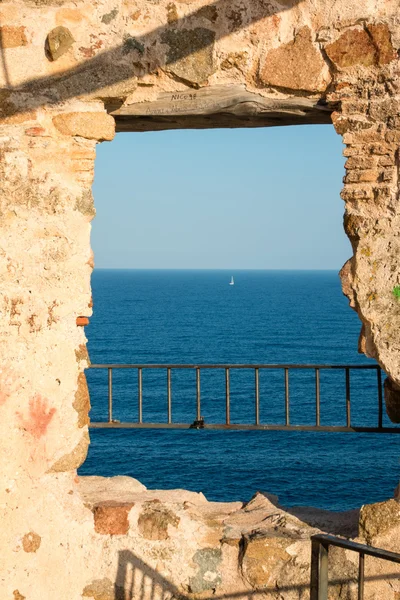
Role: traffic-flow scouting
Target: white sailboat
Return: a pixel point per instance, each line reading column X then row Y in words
column 232, row 282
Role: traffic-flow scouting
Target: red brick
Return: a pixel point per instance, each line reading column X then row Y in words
column 111, row 518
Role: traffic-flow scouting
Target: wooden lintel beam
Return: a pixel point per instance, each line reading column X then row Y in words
column 218, row 106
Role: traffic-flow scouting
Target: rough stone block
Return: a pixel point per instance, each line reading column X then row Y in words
column 58, row 42
column 82, row 401
column 90, row 125
column 100, row 589
column 154, row 521
column 377, row 519
column 111, row 518
column 369, row 175
column 208, row 576
column 360, row 162
column 392, row 400
column 190, row 54
column 383, row 41
column 354, row 193
column 74, row 459
column 353, row 48
column 262, row 557
column 297, row 65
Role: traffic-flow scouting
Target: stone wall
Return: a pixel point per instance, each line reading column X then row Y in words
column 69, row 73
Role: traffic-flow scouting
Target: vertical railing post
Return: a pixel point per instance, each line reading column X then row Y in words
column 287, row 410
column 198, row 395
column 348, row 404
column 257, row 393
column 110, row 398
column 361, row 576
column 317, row 399
column 380, row 398
column 314, row 581
column 227, row 397
column 169, row 396
column 140, row 396
column 323, row 572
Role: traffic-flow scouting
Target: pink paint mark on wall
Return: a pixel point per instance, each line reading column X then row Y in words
column 39, row 416
column 7, row 381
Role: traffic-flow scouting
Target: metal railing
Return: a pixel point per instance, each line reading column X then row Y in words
column 319, row 562
column 199, row 422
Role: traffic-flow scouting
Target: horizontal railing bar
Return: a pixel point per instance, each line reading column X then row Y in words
column 330, row 540
column 238, row 426
column 230, row 366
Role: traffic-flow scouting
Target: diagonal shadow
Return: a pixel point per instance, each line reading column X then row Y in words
column 116, row 65
column 136, row 580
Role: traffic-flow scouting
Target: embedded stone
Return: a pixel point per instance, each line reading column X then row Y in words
column 297, row 65
column 362, row 341
column 90, row 125
column 13, row 37
column 100, row 589
column 74, row 459
column 208, row 576
column 82, row 401
column 346, row 278
column 108, row 17
column 172, row 13
column 190, row 54
column 81, row 354
column 58, row 42
column 392, row 400
column 377, row 519
column 111, row 518
column 154, row 521
column 354, row 47
column 85, row 204
column 31, row 542
column 234, row 60
column 209, row 12
column 262, row 557
column 383, row 41
column 18, row 596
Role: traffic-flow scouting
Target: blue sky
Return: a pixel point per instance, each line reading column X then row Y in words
column 221, row 199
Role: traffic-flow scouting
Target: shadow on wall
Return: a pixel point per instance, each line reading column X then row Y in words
column 136, row 580
column 115, row 66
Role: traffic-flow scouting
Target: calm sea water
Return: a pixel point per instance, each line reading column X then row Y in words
column 266, row 317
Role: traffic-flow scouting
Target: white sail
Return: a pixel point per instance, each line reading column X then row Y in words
column 232, row 282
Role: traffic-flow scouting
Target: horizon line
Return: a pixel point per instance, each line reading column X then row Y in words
column 208, row 269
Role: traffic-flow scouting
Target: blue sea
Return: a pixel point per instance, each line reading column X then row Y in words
column 267, row 317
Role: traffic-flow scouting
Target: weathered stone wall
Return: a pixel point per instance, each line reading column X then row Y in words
column 69, row 73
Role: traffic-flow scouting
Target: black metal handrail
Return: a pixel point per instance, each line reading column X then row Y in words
column 200, row 423
column 319, row 562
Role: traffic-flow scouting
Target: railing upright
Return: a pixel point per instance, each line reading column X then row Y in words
column 317, row 399
column 361, row 565
column 110, row 398
column 287, row 409
column 198, row 395
column 348, row 403
column 257, row 396
column 169, row 396
column 140, row 396
column 380, row 398
column 227, row 396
